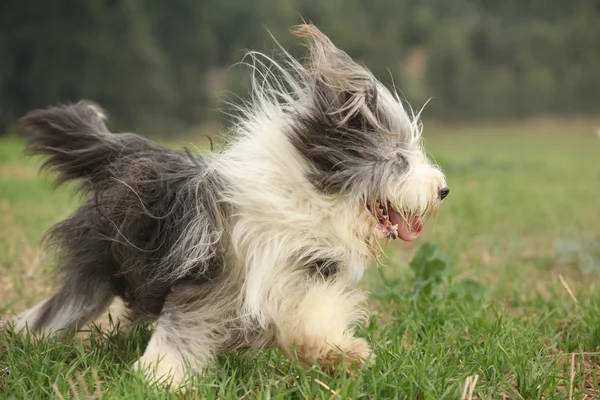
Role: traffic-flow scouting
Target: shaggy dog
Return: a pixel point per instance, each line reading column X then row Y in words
column 257, row 245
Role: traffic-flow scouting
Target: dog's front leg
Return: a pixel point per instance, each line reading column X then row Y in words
column 320, row 327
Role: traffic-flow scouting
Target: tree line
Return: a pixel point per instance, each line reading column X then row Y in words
column 155, row 65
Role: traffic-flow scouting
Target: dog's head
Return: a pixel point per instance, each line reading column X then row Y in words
column 360, row 142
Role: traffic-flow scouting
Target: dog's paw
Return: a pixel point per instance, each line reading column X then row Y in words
column 163, row 371
column 353, row 354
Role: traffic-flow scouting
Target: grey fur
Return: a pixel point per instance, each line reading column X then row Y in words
column 131, row 238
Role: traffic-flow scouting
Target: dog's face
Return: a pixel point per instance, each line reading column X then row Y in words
column 362, row 144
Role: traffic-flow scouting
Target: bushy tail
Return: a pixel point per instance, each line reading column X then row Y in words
column 77, row 143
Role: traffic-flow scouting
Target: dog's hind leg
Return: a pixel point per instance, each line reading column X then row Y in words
column 118, row 316
column 188, row 332
column 79, row 300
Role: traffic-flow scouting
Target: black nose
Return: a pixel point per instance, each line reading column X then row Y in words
column 444, row 192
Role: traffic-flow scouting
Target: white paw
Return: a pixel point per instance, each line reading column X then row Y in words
column 164, row 370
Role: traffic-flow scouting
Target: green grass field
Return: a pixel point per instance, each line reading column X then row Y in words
column 507, row 307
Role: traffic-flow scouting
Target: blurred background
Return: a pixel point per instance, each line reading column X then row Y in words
column 156, row 66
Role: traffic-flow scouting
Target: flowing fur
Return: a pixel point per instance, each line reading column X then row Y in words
column 258, row 245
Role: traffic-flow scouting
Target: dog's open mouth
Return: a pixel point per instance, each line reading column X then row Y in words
column 396, row 224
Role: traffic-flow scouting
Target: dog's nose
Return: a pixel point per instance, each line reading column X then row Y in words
column 444, row 192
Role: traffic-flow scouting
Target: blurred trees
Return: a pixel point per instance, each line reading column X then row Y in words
column 155, row 64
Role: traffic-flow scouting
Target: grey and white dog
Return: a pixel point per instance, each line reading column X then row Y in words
column 260, row 244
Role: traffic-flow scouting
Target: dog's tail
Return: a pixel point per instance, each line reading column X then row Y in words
column 77, row 143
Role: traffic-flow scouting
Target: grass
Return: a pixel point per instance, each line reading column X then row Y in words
column 506, row 305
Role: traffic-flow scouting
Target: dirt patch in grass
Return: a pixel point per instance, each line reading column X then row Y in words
column 582, row 372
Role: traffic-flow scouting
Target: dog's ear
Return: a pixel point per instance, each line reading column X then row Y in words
column 344, row 90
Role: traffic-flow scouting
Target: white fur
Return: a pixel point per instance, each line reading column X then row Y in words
column 280, row 211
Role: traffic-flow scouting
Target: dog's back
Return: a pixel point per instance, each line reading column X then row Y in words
column 78, row 146
column 128, row 238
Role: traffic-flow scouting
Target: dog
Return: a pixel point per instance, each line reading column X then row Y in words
column 259, row 244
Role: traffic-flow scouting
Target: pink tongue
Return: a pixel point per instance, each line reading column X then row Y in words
column 407, row 231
